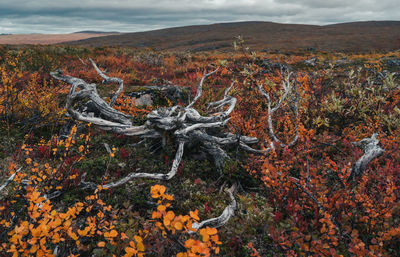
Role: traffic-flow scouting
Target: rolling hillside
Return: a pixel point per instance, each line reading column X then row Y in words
column 356, row 36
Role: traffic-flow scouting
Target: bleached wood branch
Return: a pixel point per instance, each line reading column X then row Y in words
column 184, row 124
column 371, row 151
column 108, row 79
column 287, row 87
column 221, row 220
column 226, row 101
column 181, row 122
column 135, row 175
column 200, row 88
column 111, row 117
column 197, row 126
column 8, row 181
column 168, row 176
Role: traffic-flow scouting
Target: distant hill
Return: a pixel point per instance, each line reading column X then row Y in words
column 354, row 36
column 95, row 32
column 46, row 39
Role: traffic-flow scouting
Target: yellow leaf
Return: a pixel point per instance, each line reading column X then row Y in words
column 167, row 222
column 140, row 246
column 113, row 233
column 189, row 243
column 161, row 208
column 194, row 215
column 178, row 225
column 28, row 161
column 211, row 231
column 81, row 148
column 130, row 251
column 170, row 215
column 123, row 236
column 138, row 239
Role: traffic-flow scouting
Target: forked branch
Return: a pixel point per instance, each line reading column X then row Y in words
column 107, row 79
column 287, row 88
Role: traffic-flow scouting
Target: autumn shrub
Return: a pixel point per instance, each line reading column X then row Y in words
column 294, row 201
column 320, row 209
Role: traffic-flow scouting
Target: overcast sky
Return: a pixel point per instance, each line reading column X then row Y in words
column 55, row 16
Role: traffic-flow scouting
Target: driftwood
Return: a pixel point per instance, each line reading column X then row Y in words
column 184, row 124
column 371, row 151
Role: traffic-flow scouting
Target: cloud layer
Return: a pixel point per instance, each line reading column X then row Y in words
column 55, row 16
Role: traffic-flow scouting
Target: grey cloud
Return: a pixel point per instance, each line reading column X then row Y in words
column 54, row 16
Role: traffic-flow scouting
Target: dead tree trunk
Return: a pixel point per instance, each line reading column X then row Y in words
column 183, row 124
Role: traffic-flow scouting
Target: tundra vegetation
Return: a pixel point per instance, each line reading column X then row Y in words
column 126, row 152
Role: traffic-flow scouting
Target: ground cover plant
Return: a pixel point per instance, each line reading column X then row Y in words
column 234, row 154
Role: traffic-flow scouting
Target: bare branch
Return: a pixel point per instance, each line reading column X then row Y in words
column 180, row 121
column 90, row 91
column 8, row 181
column 134, row 175
column 287, row 87
column 184, row 124
column 107, row 79
column 200, row 88
column 308, row 193
column 221, row 220
column 184, row 131
column 371, row 151
column 227, row 100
